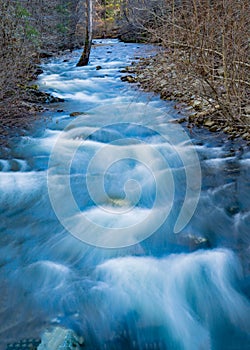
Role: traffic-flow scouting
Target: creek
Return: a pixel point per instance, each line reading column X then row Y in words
column 117, row 223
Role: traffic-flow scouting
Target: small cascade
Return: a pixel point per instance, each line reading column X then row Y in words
column 117, row 226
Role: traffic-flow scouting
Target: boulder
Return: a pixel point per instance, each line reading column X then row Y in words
column 37, row 96
column 128, row 78
column 38, row 71
column 45, row 54
column 53, row 99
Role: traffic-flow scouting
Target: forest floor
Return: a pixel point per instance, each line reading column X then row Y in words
column 160, row 75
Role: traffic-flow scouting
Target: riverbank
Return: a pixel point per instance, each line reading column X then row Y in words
column 18, row 111
column 160, row 74
column 17, row 115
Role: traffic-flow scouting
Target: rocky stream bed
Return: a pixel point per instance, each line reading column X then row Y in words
column 159, row 74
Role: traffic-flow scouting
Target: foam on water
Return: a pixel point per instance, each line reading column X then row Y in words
column 187, row 300
column 147, row 295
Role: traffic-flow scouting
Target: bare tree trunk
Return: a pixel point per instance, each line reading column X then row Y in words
column 84, row 59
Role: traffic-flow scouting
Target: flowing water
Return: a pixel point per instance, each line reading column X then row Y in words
column 117, row 224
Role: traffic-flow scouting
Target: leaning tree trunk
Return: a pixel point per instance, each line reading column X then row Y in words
column 84, row 60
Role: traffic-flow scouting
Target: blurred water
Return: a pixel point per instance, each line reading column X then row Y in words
column 165, row 290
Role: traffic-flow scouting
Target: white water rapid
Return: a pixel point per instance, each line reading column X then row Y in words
column 117, row 224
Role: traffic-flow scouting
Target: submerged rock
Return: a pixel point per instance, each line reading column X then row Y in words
column 194, row 241
column 60, row 339
column 76, row 114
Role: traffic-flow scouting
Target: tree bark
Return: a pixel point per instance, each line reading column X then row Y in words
column 84, row 59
